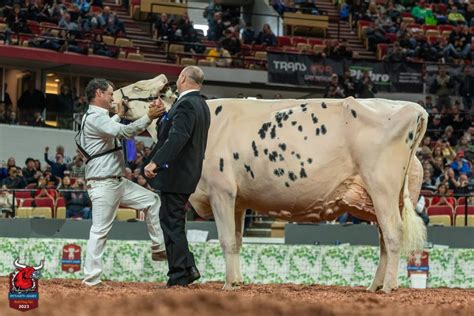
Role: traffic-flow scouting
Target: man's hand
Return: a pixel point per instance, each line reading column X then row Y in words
column 150, row 170
column 121, row 108
column 156, row 109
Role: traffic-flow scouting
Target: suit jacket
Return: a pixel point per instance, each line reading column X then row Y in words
column 182, row 140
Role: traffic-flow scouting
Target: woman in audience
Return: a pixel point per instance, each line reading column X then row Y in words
column 443, row 198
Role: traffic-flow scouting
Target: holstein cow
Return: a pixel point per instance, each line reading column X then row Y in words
column 311, row 160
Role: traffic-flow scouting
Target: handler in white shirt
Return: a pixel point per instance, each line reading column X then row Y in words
column 105, row 168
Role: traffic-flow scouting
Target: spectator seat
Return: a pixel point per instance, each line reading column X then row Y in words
column 441, row 215
column 124, row 214
column 460, row 215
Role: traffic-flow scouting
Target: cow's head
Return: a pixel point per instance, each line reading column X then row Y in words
column 141, row 93
column 25, row 277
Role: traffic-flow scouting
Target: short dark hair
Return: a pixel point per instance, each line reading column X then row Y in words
column 10, row 168
column 94, row 84
column 28, row 160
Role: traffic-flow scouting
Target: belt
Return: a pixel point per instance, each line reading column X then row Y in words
column 104, row 178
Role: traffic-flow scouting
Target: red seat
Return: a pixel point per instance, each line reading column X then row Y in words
column 34, row 26
column 406, row 14
column 96, row 9
column 256, row 47
column 27, row 202
column 24, row 194
column 283, row 41
column 60, row 202
column 382, row 50
column 461, row 201
column 426, row 193
column 442, row 8
column 31, row 186
column 296, row 40
column 315, row 41
column 392, row 37
column 274, row 49
column 433, row 39
column 427, row 202
column 443, row 210
column 445, row 27
column 44, row 202
column 428, row 27
column 460, row 210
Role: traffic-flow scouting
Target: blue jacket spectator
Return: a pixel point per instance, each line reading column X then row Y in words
column 266, row 36
column 460, row 165
column 58, row 167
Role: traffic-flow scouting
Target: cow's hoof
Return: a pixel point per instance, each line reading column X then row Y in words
column 374, row 288
column 231, row 286
column 387, row 290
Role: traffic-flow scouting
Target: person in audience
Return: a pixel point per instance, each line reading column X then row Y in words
column 266, row 36
column 78, row 202
column 441, row 197
column 420, row 12
column 29, row 172
column 442, row 87
column 128, row 174
column 142, row 181
column 460, row 165
column 42, row 190
column 161, row 26
column 77, row 168
column 248, row 34
column 335, row 89
column 31, row 100
column 365, row 87
column 14, row 180
column 6, row 202
column 420, row 210
column 231, row 43
column 57, row 167
column 216, row 28
column 220, row 56
column 38, row 120
column 455, row 17
column 461, row 186
column 65, row 184
column 466, row 89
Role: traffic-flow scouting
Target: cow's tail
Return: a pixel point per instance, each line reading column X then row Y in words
column 414, row 230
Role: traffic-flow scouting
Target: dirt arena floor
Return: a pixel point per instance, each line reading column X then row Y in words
column 68, row 297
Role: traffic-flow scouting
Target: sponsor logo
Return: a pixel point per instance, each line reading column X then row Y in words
column 71, row 260
column 23, row 294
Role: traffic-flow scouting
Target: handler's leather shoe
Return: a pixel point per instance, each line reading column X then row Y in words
column 192, row 275
column 157, row 254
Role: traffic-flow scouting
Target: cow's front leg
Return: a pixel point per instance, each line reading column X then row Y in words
column 239, row 233
column 223, row 207
column 377, row 283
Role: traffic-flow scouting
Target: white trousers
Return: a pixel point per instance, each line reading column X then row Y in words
column 106, row 196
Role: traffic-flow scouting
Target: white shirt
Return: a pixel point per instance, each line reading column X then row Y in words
column 99, row 134
column 186, row 92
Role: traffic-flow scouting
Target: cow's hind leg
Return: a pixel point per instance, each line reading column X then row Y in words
column 223, row 207
column 377, row 283
column 391, row 227
column 239, row 233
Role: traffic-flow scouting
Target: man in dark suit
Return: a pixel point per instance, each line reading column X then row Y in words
column 179, row 155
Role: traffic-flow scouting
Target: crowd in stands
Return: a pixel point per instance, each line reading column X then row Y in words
column 61, row 25
column 438, row 31
column 58, row 176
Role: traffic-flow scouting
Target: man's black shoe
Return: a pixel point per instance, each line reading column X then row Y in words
column 191, row 276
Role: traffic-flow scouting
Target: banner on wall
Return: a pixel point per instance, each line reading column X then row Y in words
column 311, row 70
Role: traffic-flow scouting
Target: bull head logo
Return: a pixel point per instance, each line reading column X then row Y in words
column 24, row 278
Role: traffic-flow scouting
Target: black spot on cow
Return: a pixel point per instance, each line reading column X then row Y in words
column 218, row 109
column 280, row 157
column 300, row 128
column 317, row 131
column 249, row 170
column 310, row 160
column 263, row 130
column 236, row 156
column 292, row 176
column 306, row 137
column 265, row 151
column 287, row 184
column 282, row 146
column 292, row 152
column 354, row 113
column 280, row 125
column 314, row 118
column 304, row 105
column 298, row 156
column 302, row 164
column 286, row 116
column 255, row 150
column 273, row 156
column 323, row 129
column 279, row 117
column 273, row 132
column 410, row 135
column 279, row 172
column 324, row 105
column 290, row 111
column 303, row 173
column 221, row 165
column 294, row 123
